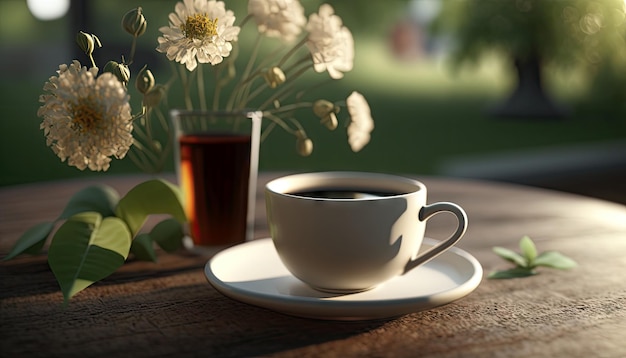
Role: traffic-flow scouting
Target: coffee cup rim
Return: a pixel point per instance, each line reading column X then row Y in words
column 286, row 185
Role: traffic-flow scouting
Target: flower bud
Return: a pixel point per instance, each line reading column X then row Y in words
column 153, row 97
column 144, row 81
column 304, row 145
column 274, row 77
column 87, row 42
column 120, row 71
column 330, row 121
column 327, row 112
column 134, row 22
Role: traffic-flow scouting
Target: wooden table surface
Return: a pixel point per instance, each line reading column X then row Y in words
column 169, row 309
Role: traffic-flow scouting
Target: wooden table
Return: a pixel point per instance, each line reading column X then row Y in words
column 169, row 309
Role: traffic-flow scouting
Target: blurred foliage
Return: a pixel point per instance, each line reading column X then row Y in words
column 605, row 96
column 565, row 31
column 588, row 36
column 364, row 18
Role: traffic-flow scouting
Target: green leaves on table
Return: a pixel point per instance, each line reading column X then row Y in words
column 32, row 241
column 167, row 234
column 528, row 260
column 99, row 230
column 86, row 249
column 99, row 198
column 139, row 203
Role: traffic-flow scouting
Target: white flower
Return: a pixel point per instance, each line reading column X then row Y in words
column 278, row 18
column 86, row 118
column 199, row 31
column 331, row 44
column 361, row 124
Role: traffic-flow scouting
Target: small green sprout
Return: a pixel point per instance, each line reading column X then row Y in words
column 528, row 260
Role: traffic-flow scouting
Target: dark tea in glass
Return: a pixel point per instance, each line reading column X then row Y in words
column 214, row 178
column 217, row 163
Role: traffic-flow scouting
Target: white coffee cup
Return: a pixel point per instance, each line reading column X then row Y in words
column 350, row 231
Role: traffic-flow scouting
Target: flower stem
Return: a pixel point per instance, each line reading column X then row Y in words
column 268, row 130
column 277, row 120
column 284, row 92
column 301, row 93
column 168, row 144
column 201, row 93
column 303, row 59
column 185, row 83
column 133, row 49
column 139, row 163
column 242, row 91
column 292, row 107
column 292, row 51
column 256, row 92
column 245, row 20
column 253, row 56
column 143, row 158
column 93, row 62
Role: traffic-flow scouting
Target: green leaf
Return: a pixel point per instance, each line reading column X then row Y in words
column 86, row 249
column 32, row 241
column 99, row 198
column 512, row 273
column 150, row 197
column 143, row 248
column 528, row 249
column 555, row 260
column 511, row 256
column 168, row 234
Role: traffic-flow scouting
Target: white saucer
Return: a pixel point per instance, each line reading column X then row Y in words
column 253, row 273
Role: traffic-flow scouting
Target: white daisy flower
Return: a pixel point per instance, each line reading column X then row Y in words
column 199, row 31
column 361, row 124
column 86, row 117
column 331, row 44
column 278, row 18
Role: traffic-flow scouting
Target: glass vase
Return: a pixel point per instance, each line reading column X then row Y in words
column 217, row 156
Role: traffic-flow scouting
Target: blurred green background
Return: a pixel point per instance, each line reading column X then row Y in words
column 430, row 74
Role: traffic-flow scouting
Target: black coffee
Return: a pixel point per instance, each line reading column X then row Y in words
column 342, row 194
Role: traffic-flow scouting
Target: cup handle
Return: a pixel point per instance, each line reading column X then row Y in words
column 425, row 213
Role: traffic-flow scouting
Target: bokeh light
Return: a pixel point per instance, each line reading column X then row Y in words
column 46, row 10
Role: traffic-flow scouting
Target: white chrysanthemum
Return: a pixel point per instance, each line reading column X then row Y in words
column 361, row 124
column 331, row 44
column 86, row 118
column 200, row 31
column 278, row 18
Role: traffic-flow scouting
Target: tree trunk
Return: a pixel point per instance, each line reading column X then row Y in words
column 529, row 100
